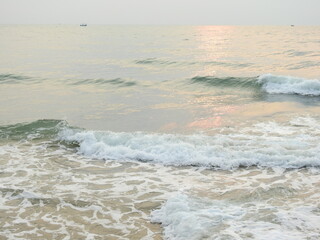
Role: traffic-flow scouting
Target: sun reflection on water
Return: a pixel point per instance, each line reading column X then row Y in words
column 213, row 44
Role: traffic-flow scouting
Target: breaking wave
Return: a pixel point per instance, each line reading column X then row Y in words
column 289, row 85
column 269, row 144
column 272, row 84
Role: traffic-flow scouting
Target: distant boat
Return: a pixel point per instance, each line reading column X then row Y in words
column 83, row 25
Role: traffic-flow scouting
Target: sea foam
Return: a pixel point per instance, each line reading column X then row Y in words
column 185, row 217
column 292, row 145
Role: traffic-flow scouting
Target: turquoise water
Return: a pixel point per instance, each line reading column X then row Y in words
column 151, row 132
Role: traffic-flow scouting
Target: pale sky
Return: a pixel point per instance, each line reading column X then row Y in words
column 194, row 12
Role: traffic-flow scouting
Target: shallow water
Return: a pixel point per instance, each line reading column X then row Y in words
column 140, row 132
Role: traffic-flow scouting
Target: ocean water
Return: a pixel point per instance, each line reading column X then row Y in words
column 159, row 132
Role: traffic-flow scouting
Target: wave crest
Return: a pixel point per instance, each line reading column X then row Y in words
column 289, row 85
column 272, row 84
column 46, row 128
column 159, row 62
column 227, row 81
column 265, row 144
column 119, row 82
column 14, row 79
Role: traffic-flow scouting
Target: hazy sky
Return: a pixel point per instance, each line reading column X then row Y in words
column 196, row 12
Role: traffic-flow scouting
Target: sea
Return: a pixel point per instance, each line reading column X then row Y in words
column 159, row 132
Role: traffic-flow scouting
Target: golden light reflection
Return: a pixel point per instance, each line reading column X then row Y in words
column 216, row 115
column 207, row 123
column 213, row 46
column 170, row 126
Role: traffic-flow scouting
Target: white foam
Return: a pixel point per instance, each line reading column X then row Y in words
column 268, row 144
column 289, row 85
column 183, row 217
